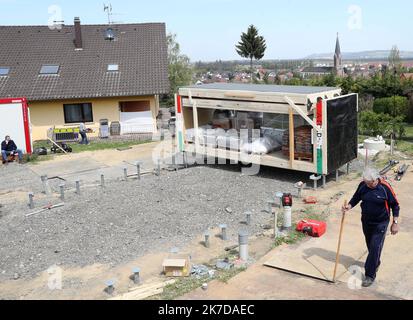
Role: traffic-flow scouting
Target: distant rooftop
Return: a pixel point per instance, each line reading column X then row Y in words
column 263, row 88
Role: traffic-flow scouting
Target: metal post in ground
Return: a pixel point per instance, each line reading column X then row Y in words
column 348, row 168
column 248, row 218
column 224, row 232
column 136, row 275
column 315, row 178
column 185, row 159
column 45, row 182
column 243, row 245
column 337, row 175
column 138, row 169
column 158, row 168
column 206, row 241
column 31, row 201
column 62, row 192
column 287, row 218
column 176, row 157
column 102, row 180
column 110, row 286
column 276, row 233
column 125, row 173
column 78, row 187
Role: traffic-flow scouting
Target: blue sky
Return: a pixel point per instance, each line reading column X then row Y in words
column 209, row 29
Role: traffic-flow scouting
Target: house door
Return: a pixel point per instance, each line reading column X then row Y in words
column 136, row 117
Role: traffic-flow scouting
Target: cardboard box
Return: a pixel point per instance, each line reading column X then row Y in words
column 177, row 266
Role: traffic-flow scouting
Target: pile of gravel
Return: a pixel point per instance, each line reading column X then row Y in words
column 125, row 220
column 128, row 219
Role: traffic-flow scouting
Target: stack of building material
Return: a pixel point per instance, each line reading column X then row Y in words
column 144, row 291
column 163, row 118
column 303, row 147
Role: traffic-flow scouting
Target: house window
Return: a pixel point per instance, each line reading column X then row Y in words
column 4, row 71
column 113, row 67
column 49, row 69
column 76, row 113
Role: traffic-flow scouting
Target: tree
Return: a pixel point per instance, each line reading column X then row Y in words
column 179, row 67
column 394, row 106
column 394, row 58
column 251, row 46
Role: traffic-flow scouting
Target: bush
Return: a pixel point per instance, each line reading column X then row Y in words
column 398, row 106
column 374, row 124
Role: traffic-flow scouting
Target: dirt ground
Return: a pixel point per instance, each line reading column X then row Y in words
column 395, row 278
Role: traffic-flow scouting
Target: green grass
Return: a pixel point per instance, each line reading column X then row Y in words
column 78, row 148
column 185, row 285
column 405, row 147
column 94, row 145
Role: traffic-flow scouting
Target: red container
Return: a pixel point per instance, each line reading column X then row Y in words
column 313, row 228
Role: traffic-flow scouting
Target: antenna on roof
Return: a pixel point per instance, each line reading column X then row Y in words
column 108, row 9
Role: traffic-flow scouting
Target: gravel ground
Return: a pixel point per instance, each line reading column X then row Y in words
column 128, row 219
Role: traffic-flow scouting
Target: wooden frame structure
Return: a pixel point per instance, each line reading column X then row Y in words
column 195, row 104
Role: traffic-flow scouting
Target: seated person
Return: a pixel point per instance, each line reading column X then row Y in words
column 8, row 147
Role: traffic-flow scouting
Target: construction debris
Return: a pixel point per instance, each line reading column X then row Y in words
column 224, row 264
column 46, row 208
column 310, row 200
column 199, row 271
column 389, row 166
column 401, row 172
column 144, row 291
column 178, row 266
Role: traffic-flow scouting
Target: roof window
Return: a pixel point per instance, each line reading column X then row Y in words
column 113, row 67
column 49, row 69
column 4, row 71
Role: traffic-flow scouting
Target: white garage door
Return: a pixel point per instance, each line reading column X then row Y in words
column 136, row 122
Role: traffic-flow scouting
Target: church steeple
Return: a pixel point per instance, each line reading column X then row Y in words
column 338, row 68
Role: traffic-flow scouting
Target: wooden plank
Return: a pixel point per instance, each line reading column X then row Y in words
column 278, row 108
column 315, row 257
column 291, row 138
column 259, row 96
column 151, row 286
column 302, row 113
column 138, row 295
column 144, row 291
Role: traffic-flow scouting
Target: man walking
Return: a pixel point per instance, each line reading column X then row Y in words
column 377, row 200
column 82, row 131
column 8, row 147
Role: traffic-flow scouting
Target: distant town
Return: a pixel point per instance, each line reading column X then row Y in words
column 363, row 64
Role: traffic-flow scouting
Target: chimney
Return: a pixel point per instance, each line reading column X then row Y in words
column 78, row 34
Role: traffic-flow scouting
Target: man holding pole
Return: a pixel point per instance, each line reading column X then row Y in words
column 377, row 200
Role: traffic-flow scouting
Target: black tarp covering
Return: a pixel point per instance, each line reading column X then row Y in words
column 342, row 140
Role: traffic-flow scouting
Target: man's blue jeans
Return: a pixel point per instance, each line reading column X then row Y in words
column 84, row 138
column 5, row 154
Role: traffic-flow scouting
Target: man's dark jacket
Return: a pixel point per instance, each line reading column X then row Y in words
column 376, row 203
column 11, row 146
